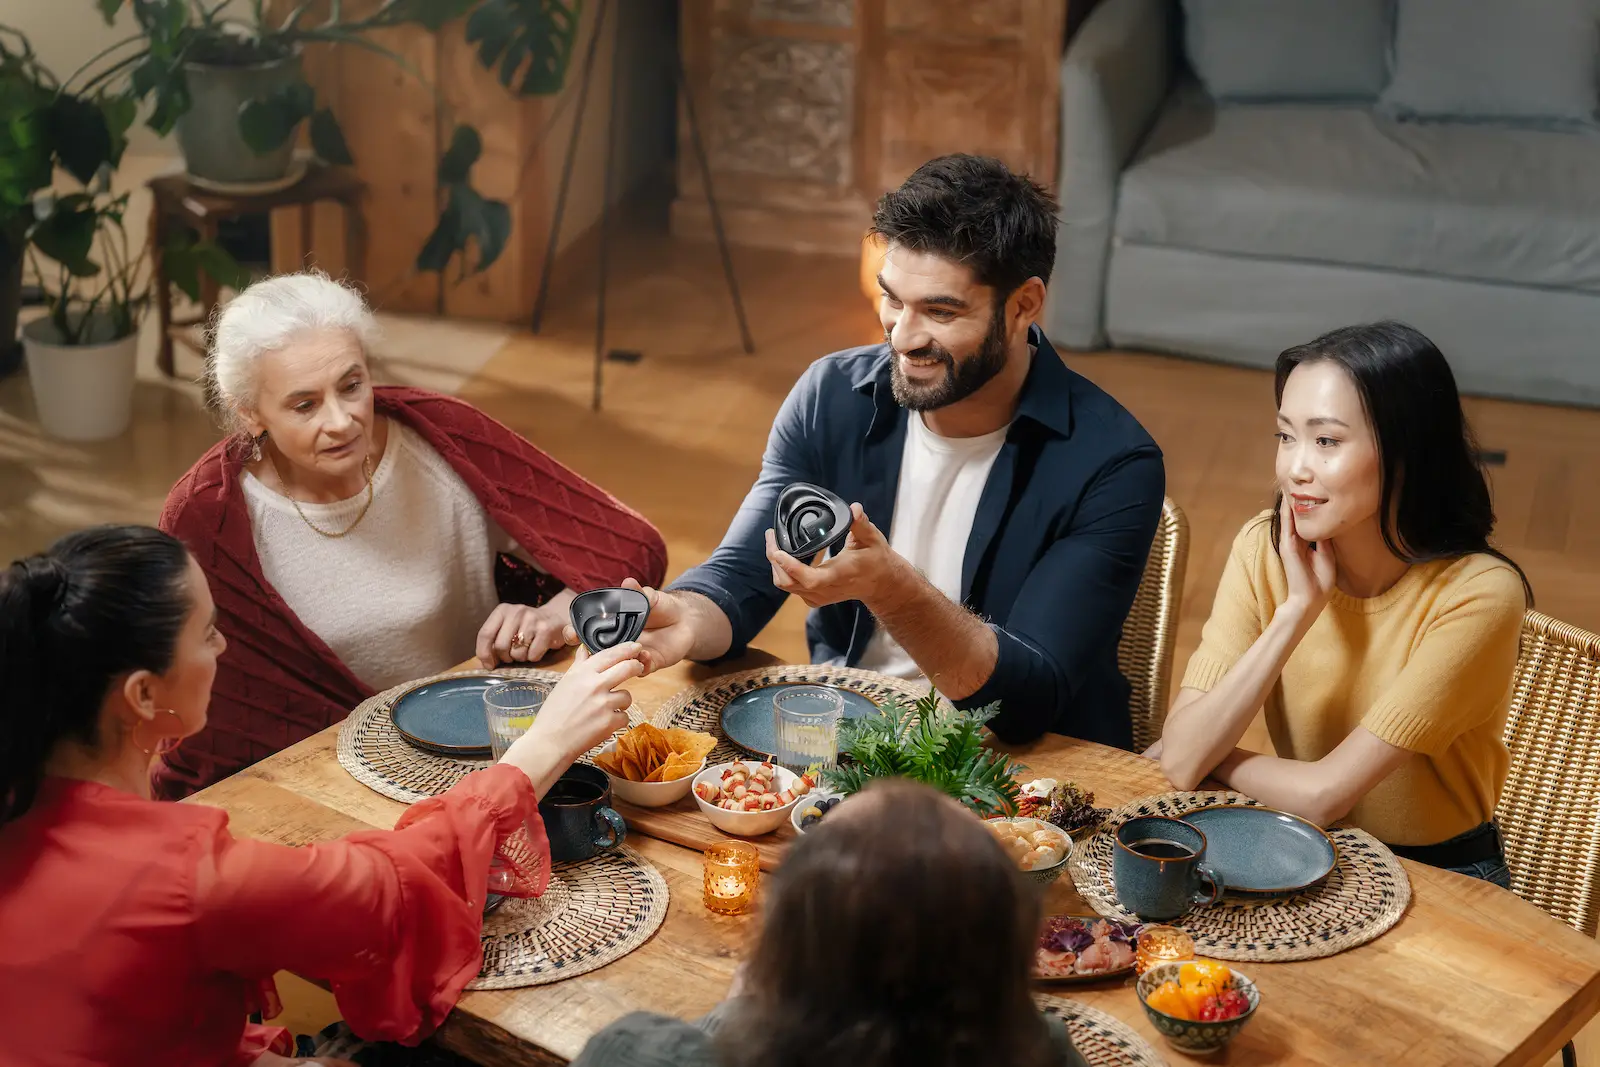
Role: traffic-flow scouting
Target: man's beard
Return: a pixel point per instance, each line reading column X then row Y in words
column 961, row 378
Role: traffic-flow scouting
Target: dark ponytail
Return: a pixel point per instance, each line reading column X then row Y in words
column 95, row 606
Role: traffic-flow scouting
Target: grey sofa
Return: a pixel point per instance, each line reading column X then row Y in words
column 1232, row 230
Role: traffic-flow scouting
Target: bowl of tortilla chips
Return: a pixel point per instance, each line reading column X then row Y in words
column 651, row 767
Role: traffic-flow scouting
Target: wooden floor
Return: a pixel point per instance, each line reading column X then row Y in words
column 681, row 432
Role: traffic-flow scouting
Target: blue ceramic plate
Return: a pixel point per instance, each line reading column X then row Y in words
column 747, row 718
column 446, row 717
column 1260, row 850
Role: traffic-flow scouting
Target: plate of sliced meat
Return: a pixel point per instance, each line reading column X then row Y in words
column 1084, row 948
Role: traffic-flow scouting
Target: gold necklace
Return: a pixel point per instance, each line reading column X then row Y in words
column 366, row 469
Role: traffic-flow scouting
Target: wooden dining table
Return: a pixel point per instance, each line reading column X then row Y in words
column 1471, row 974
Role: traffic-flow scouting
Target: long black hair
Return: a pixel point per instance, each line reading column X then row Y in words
column 93, row 607
column 1433, row 495
column 901, row 936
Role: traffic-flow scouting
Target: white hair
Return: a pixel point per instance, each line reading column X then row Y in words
column 265, row 317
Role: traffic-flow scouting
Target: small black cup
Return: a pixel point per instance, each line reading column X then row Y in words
column 577, row 815
column 1160, row 868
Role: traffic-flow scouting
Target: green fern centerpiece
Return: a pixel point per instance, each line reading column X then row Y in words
column 930, row 742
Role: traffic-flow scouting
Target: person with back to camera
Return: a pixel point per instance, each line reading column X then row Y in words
column 1367, row 614
column 359, row 536
column 898, row 933
column 143, row 932
column 1003, row 505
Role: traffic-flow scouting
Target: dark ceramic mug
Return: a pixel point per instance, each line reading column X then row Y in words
column 1160, row 869
column 578, row 819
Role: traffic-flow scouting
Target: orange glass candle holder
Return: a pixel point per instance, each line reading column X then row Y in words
column 733, row 871
column 1161, row 944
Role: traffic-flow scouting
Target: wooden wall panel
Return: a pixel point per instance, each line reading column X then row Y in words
column 815, row 108
column 390, row 121
column 507, row 171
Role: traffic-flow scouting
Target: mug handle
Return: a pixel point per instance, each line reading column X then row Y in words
column 1201, row 899
column 610, row 830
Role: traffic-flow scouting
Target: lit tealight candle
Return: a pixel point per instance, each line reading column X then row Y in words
column 732, row 872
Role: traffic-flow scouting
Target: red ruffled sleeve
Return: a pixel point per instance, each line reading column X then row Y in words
column 390, row 919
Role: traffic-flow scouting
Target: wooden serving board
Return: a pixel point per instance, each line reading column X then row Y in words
column 685, row 824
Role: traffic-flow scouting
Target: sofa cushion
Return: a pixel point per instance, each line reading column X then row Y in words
column 1344, row 185
column 1528, row 60
column 1288, row 49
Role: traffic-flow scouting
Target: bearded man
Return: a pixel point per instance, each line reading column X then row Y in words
column 1003, row 505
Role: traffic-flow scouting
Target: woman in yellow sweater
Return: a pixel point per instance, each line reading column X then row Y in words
column 1367, row 614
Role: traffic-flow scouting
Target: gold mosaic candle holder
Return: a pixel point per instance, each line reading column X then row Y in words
column 733, row 872
column 1161, row 944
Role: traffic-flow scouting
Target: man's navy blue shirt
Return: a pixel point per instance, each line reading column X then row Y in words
column 1057, row 548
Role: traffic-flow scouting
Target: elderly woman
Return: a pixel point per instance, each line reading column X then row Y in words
column 357, row 536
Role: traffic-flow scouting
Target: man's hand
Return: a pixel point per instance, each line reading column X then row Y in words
column 865, row 569
column 516, row 633
column 681, row 626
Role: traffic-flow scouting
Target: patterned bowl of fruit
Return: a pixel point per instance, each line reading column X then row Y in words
column 1198, row 1006
column 812, row 808
column 1040, row 848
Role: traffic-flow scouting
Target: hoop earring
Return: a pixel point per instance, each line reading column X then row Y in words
column 163, row 744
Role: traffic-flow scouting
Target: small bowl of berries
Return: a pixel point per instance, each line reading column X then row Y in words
column 1199, row 1006
column 748, row 798
column 813, row 808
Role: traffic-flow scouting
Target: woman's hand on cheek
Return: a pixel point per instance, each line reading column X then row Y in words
column 1310, row 569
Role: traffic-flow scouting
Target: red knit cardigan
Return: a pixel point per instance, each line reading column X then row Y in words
column 278, row 682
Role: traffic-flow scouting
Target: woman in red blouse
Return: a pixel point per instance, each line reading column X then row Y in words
column 142, row 932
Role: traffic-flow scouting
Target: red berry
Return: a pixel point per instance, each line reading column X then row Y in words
column 1231, row 1004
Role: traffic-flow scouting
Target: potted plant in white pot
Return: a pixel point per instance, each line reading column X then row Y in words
column 83, row 352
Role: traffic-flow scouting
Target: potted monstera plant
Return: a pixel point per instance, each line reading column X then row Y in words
column 227, row 78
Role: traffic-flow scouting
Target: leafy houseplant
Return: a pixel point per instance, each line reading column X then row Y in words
column 96, row 282
column 42, row 128
column 97, row 286
column 236, row 85
column 932, row 743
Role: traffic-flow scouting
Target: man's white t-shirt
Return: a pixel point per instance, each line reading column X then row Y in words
column 941, row 481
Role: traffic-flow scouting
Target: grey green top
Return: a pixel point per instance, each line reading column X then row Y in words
column 643, row 1039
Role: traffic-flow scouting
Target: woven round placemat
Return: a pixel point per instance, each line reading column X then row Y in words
column 1102, row 1039
column 1363, row 897
column 372, row 750
column 699, row 707
column 593, row 912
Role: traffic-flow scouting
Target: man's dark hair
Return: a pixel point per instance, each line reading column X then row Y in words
column 973, row 210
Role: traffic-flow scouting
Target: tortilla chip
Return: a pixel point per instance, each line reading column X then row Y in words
column 691, row 743
column 656, row 748
column 607, row 761
column 679, row 765
column 632, row 764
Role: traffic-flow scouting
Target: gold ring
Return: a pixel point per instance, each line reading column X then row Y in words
column 517, row 640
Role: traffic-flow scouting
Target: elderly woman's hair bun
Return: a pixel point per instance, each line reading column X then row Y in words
column 265, row 317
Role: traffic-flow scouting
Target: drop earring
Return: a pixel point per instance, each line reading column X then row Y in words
column 256, row 442
column 163, row 743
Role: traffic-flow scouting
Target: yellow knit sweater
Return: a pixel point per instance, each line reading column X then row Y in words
column 1426, row 666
